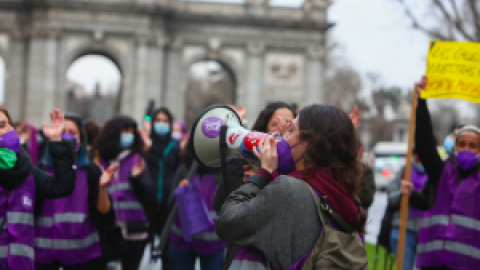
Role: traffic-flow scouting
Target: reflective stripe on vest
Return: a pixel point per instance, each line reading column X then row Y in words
column 20, row 218
column 16, row 250
column 466, row 222
column 118, row 186
column 128, row 206
column 433, row 221
column 70, row 218
column 43, row 221
column 451, row 246
column 68, row 244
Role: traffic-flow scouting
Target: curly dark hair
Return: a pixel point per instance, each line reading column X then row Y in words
column 108, row 141
column 332, row 143
column 266, row 114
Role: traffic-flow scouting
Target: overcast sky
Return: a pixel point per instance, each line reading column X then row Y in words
column 374, row 34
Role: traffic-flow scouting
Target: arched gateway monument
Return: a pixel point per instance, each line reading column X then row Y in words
column 273, row 52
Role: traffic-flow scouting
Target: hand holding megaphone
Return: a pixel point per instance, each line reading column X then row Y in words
column 266, row 152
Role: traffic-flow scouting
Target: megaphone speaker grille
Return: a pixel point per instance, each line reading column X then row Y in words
column 205, row 135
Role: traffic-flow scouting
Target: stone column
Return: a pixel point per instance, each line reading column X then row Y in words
column 42, row 66
column 314, row 87
column 154, row 83
column 175, row 76
column 15, row 73
column 140, row 79
column 254, row 81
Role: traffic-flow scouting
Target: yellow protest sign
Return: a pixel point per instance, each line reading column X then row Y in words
column 453, row 70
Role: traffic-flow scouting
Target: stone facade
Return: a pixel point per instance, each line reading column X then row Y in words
column 275, row 53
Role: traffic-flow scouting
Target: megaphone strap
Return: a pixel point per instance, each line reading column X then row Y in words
column 223, row 145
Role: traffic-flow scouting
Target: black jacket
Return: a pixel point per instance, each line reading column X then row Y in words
column 47, row 186
column 170, row 165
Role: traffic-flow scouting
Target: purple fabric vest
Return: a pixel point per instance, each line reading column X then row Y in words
column 64, row 230
column 17, row 235
column 125, row 202
column 206, row 242
column 418, row 180
column 248, row 258
column 449, row 233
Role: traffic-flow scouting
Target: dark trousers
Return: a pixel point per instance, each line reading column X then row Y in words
column 133, row 258
column 181, row 259
column 96, row 264
column 160, row 216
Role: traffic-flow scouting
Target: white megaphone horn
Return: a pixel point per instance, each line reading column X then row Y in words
column 218, row 131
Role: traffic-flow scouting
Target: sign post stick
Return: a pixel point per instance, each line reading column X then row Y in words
column 404, row 203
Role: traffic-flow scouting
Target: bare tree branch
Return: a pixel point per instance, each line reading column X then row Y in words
column 456, row 23
column 416, row 24
column 476, row 18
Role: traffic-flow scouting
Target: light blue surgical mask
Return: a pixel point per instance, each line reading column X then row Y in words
column 161, row 128
column 126, row 140
column 420, row 169
column 448, row 145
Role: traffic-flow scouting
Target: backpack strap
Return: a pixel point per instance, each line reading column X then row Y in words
column 323, row 207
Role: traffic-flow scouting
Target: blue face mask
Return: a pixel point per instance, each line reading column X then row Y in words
column 448, row 145
column 161, row 128
column 126, row 140
column 420, row 169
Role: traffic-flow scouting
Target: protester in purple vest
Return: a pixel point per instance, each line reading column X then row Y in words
column 22, row 184
column 448, row 236
column 234, row 175
column 67, row 229
column 120, row 143
column 163, row 160
column 419, row 178
column 278, row 218
column 205, row 245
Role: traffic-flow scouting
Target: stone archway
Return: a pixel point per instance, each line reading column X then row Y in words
column 209, row 82
column 153, row 41
column 94, row 87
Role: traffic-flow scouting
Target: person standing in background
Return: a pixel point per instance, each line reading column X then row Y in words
column 163, row 159
column 120, row 143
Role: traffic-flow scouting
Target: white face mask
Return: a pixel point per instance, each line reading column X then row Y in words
column 177, row 135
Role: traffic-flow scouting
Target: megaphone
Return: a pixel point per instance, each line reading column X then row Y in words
column 217, row 136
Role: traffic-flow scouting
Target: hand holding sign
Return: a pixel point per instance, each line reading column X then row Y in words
column 421, row 85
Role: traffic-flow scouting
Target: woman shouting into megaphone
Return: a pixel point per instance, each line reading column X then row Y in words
column 279, row 218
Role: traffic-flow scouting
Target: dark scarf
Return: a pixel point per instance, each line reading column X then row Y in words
column 325, row 182
column 16, row 176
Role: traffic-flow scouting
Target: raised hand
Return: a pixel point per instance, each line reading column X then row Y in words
column 147, row 126
column 240, row 111
column 107, row 175
column 281, row 125
column 421, row 85
column 53, row 132
column 184, row 183
column 356, row 117
column 138, row 168
column 147, row 142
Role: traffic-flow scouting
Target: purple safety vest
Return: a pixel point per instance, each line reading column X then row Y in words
column 125, row 202
column 206, row 242
column 449, row 233
column 64, row 230
column 17, row 235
